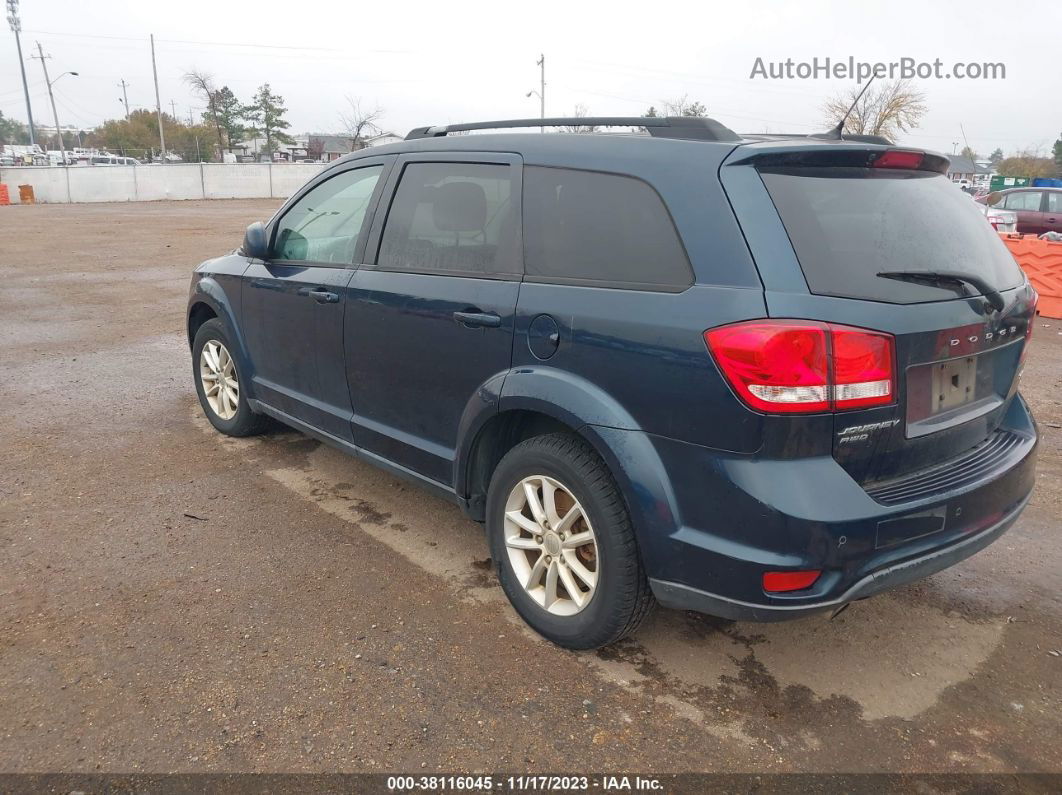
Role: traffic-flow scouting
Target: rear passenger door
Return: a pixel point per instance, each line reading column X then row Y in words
column 1028, row 205
column 1053, row 220
column 430, row 312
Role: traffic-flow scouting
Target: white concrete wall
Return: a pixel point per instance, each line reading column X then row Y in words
column 152, row 183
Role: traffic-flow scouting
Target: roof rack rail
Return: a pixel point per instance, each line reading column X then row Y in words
column 693, row 128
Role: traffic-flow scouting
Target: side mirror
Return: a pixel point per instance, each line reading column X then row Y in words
column 993, row 198
column 255, row 242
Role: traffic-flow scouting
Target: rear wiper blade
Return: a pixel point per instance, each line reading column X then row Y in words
column 962, row 278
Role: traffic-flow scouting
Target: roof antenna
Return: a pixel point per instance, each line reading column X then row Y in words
column 836, row 132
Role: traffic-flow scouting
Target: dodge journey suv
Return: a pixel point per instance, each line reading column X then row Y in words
column 754, row 377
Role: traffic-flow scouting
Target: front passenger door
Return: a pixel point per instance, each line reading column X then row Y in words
column 293, row 302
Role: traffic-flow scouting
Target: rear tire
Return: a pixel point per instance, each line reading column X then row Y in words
column 574, row 573
column 220, row 383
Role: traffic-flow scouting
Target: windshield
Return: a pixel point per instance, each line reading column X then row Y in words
column 849, row 224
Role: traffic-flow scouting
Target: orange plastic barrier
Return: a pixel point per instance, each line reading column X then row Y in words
column 25, row 194
column 5, row 197
column 1042, row 263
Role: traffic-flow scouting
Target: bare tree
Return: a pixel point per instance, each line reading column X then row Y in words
column 202, row 84
column 315, row 148
column 580, row 112
column 359, row 123
column 886, row 109
column 682, row 107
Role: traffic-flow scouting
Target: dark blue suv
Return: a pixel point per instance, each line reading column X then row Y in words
column 747, row 376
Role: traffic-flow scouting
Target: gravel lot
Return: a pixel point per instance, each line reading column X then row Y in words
column 173, row 600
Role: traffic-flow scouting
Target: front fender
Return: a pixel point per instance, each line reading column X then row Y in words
column 207, row 290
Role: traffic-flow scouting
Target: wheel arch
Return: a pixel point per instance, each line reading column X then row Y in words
column 545, row 400
column 209, row 301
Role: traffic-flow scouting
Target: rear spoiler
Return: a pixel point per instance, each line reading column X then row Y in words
column 862, row 139
column 844, row 154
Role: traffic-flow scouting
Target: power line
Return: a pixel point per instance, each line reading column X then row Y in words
column 253, row 45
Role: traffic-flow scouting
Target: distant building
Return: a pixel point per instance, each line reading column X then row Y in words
column 327, row 147
column 251, row 150
column 383, row 139
column 965, row 171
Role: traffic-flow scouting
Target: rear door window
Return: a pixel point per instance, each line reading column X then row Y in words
column 452, row 218
column 592, row 228
column 849, row 224
column 1027, row 200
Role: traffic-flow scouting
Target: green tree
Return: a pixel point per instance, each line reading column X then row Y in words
column 995, row 157
column 229, row 116
column 266, row 114
column 13, row 131
column 969, row 154
column 139, row 137
column 651, row 113
column 1058, row 155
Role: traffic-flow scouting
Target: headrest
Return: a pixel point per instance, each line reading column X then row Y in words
column 459, row 207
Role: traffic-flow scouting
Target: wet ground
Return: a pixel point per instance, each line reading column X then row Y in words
column 174, row 600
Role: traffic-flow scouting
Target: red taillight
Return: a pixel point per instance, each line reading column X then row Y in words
column 899, row 158
column 775, row 366
column 788, row 366
column 862, row 368
column 779, row 581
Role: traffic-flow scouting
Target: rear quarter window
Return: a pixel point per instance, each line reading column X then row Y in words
column 596, row 229
column 849, row 224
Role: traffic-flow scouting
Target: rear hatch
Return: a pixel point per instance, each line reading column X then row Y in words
column 886, row 242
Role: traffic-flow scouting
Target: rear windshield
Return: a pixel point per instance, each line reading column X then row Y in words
column 849, row 224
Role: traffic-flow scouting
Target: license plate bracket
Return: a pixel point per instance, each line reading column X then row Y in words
column 953, row 384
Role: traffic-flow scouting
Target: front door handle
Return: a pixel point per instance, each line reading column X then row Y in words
column 475, row 318
column 320, row 295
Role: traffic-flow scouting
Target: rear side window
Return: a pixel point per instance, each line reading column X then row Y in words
column 849, row 224
column 591, row 228
column 1027, row 200
column 1054, row 201
column 453, row 218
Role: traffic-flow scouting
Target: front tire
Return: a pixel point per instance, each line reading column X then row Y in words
column 220, row 384
column 563, row 544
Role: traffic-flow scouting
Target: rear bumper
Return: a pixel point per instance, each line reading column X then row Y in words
column 685, row 597
column 710, row 524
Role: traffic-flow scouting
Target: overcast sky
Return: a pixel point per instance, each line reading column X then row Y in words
column 438, row 62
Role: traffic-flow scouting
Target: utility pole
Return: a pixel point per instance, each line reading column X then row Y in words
column 173, row 109
column 158, row 101
column 542, row 87
column 125, row 97
column 51, row 96
column 16, row 28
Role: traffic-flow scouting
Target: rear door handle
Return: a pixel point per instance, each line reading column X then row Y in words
column 320, row 295
column 478, row 319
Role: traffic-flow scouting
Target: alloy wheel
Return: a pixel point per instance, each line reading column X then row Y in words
column 217, row 371
column 551, row 545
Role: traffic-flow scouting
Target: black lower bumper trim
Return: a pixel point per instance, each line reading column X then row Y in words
column 686, row 597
